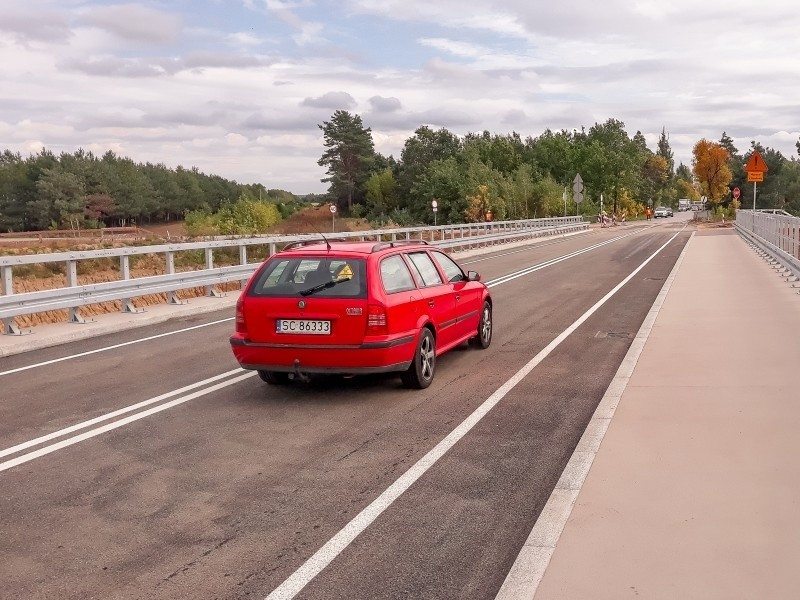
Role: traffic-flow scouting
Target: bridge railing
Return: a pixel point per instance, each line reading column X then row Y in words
column 210, row 276
column 776, row 233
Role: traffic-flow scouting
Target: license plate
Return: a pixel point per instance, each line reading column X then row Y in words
column 304, row 326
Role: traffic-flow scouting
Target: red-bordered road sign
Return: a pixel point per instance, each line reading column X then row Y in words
column 756, row 164
column 736, row 193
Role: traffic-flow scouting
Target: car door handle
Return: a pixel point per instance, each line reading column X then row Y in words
column 431, row 303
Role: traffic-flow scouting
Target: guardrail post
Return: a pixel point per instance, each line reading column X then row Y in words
column 242, row 261
column 72, row 281
column 9, row 326
column 125, row 269
column 210, row 289
column 172, row 297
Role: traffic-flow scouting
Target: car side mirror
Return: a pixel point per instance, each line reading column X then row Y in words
column 473, row 276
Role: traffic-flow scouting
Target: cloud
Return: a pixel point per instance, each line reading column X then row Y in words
column 170, row 80
column 26, row 25
column 135, row 22
column 332, row 101
column 112, row 66
column 381, row 104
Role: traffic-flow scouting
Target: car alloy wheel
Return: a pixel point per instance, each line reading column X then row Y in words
column 420, row 373
column 484, row 337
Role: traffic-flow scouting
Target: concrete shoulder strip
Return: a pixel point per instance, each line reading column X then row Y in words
column 528, row 569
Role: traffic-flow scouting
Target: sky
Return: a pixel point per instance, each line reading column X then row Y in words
column 238, row 88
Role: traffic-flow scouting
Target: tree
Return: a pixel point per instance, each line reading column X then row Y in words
column 612, row 159
column 380, row 194
column 710, row 164
column 349, row 155
column 655, row 175
column 61, row 198
column 665, row 151
column 478, row 205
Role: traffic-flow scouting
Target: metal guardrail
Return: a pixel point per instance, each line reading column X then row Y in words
column 778, row 235
column 76, row 295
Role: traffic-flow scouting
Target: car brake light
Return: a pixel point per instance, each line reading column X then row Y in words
column 376, row 319
column 241, row 324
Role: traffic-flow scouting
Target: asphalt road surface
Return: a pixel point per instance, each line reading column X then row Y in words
column 216, row 485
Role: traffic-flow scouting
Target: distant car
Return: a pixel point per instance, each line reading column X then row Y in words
column 669, row 211
column 661, row 211
column 353, row 308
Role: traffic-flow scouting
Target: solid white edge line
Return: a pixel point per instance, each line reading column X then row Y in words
column 110, row 426
column 114, row 347
column 531, row 563
column 293, row 584
column 111, row 415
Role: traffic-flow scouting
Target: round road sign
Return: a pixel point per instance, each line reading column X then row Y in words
column 333, row 208
column 736, row 193
column 434, row 204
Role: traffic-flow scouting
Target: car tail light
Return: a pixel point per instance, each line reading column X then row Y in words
column 376, row 319
column 241, row 324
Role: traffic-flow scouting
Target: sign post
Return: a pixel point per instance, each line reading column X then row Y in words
column 435, row 206
column 602, row 219
column 755, row 169
column 333, row 216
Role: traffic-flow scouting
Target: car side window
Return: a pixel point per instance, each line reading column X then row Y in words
column 451, row 270
column 428, row 274
column 395, row 275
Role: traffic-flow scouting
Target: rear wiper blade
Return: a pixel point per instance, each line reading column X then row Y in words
column 322, row 286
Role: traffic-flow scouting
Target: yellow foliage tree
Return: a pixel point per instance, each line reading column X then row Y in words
column 710, row 164
column 478, row 205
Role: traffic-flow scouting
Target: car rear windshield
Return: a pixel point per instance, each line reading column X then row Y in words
column 328, row 277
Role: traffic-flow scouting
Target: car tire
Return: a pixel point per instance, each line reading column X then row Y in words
column 274, row 377
column 420, row 373
column 484, row 337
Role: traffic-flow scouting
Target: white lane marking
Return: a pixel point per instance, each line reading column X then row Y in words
column 322, row 557
column 111, row 415
column 114, row 347
column 525, row 249
column 115, row 424
column 523, row 580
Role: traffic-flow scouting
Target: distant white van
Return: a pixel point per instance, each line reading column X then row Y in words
column 684, row 204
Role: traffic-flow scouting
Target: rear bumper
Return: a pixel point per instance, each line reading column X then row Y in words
column 371, row 357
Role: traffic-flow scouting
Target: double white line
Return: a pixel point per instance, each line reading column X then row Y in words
column 229, row 377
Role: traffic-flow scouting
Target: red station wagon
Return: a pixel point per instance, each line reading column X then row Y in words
column 352, row 308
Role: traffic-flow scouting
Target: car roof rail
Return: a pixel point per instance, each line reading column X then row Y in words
column 309, row 242
column 396, row 243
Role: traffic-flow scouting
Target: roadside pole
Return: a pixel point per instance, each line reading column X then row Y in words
column 755, row 169
column 333, row 217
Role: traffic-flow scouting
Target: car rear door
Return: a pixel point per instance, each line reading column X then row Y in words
column 438, row 295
